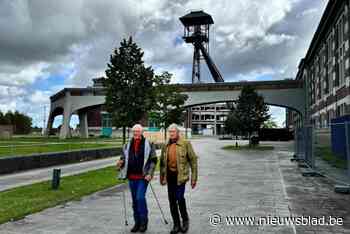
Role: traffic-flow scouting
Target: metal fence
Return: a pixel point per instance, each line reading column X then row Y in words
column 325, row 151
column 303, row 144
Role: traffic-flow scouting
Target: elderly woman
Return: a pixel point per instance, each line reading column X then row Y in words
column 137, row 164
column 177, row 158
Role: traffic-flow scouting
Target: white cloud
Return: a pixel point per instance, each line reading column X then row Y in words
column 26, row 76
column 179, row 73
column 9, row 106
column 40, row 97
column 308, row 12
column 11, row 91
column 274, row 39
column 39, row 39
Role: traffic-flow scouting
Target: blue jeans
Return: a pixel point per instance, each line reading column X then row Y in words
column 138, row 190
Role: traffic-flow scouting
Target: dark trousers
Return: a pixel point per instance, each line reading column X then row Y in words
column 176, row 198
column 138, row 190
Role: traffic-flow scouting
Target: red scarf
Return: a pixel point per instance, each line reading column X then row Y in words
column 137, row 143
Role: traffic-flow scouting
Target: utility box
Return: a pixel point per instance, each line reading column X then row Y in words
column 106, row 125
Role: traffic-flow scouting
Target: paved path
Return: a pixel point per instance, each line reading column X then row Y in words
column 256, row 184
column 38, row 175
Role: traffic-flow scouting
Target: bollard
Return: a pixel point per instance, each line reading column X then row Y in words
column 56, row 177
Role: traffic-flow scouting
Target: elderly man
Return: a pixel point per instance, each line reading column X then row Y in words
column 177, row 158
column 137, row 164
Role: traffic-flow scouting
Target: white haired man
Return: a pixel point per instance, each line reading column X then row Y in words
column 137, row 164
column 177, row 158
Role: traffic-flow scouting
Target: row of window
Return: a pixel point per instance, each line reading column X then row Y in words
column 208, row 117
column 328, row 69
column 324, row 121
column 209, row 107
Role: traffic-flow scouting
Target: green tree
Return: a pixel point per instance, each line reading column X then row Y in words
column 3, row 119
column 168, row 105
column 251, row 111
column 129, row 85
column 232, row 124
column 270, row 123
column 21, row 123
column 9, row 117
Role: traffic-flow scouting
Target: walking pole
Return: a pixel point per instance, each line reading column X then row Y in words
column 125, row 216
column 124, row 201
column 160, row 208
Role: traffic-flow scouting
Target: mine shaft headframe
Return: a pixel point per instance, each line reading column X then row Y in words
column 196, row 31
column 196, row 26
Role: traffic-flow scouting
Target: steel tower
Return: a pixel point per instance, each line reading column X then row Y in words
column 196, row 31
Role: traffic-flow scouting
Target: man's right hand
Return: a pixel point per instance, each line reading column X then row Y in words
column 120, row 164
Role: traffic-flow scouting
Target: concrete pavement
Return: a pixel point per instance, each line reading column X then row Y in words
column 256, row 184
column 43, row 174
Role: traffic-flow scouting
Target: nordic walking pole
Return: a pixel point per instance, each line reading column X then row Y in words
column 125, row 216
column 124, row 202
column 160, row 208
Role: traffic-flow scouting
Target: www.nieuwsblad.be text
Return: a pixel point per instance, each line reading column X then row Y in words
column 218, row 219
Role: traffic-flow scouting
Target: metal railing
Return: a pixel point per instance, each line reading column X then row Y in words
column 325, row 152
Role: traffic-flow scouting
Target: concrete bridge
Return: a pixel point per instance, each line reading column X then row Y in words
column 283, row 93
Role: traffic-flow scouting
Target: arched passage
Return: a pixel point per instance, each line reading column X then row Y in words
column 213, row 115
column 57, row 111
column 284, row 93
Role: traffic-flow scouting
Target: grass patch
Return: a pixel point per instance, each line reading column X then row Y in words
column 49, row 148
column 22, row 139
column 246, row 147
column 33, row 145
column 326, row 154
column 18, row 202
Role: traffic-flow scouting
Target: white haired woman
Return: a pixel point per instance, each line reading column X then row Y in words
column 137, row 164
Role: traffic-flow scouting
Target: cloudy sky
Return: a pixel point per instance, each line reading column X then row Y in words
column 47, row 45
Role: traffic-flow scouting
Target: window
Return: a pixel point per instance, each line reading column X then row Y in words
column 319, row 122
column 328, row 118
column 340, row 79
column 329, row 62
column 312, row 90
column 341, row 110
column 325, row 122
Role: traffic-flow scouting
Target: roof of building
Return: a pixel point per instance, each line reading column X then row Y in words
column 269, row 84
column 196, row 18
column 94, row 91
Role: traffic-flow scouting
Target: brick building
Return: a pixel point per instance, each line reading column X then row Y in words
column 325, row 70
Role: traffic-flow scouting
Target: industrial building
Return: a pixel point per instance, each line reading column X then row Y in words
column 325, row 70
